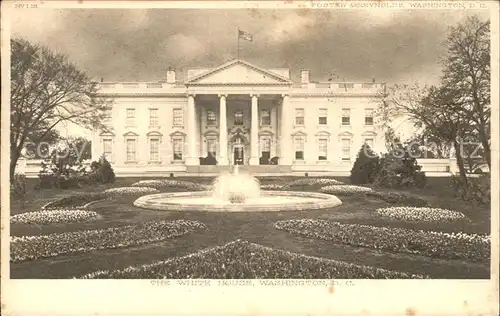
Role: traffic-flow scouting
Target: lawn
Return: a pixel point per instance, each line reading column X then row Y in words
column 118, row 239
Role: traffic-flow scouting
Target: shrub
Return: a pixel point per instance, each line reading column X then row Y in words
column 401, row 198
column 101, row 171
column 476, row 189
column 365, row 167
column 63, row 169
column 18, row 186
column 399, row 169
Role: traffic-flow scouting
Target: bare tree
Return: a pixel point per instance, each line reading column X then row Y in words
column 47, row 89
column 467, row 71
column 436, row 110
column 443, row 114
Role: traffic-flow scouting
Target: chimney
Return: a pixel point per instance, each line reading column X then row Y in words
column 304, row 76
column 170, row 75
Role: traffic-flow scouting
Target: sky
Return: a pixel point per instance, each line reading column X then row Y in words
column 392, row 46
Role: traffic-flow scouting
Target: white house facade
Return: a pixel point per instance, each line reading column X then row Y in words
column 237, row 113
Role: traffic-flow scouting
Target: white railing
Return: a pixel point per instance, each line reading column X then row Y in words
column 137, row 85
column 341, row 86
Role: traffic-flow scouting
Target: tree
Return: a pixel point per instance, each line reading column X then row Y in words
column 82, row 146
column 446, row 117
column 467, row 71
column 438, row 111
column 47, row 89
column 365, row 167
column 38, row 144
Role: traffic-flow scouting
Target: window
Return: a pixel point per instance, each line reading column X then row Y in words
column 153, row 117
column 211, row 118
column 154, row 149
column 299, row 147
column 130, row 117
column 369, row 142
column 322, row 118
column 346, row 117
column 265, row 117
column 131, row 150
column 178, row 117
column 369, row 117
column 346, row 149
column 322, row 149
column 299, row 117
column 212, row 147
column 107, row 146
column 177, row 144
column 238, row 117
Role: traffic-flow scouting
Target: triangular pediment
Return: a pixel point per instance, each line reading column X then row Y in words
column 238, row 72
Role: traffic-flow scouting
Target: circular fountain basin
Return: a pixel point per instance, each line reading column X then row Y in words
column 273, row 201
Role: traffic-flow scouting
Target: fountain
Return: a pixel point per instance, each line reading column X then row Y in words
column 237, row 191
column 235, row 187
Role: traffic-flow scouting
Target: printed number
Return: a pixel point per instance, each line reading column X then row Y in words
column 25, row 6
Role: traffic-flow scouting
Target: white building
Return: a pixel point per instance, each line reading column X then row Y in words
column 238, row 113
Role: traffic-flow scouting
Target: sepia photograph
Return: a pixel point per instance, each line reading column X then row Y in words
column 310, row 145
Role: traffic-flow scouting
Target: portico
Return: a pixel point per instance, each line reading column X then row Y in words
column 249, row 100
column 238, row 128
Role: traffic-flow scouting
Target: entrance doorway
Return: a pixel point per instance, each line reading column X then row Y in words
column 238, row 151
column 239, row 154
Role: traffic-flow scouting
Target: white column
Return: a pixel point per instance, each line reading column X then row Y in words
column 192, row 159
column 222, row 131
column 254, row 133
column 286, row 130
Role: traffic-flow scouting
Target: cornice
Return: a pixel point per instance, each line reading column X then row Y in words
column 237, row 84
column 142, row 94
column 326, row 94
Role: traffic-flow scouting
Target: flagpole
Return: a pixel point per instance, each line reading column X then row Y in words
column 238, row 47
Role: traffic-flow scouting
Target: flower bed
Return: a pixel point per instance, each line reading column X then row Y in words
column 426, row 214
column 34, row 247
column 428, row 243
column 161, row 184
column 401, row 198
column 75, row 201
column 345, row 189
column 53, row 217
column 130, row 191
column 241, row 259
column 274, row 186
column 314, row 181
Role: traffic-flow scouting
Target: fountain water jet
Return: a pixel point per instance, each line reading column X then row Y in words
column 235, row 187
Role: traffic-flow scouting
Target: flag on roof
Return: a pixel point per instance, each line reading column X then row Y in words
column 245, row 35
